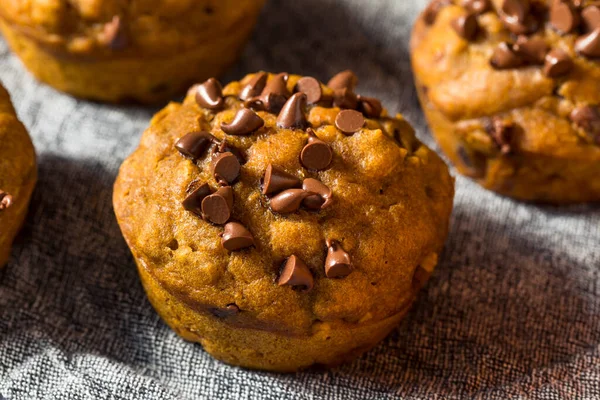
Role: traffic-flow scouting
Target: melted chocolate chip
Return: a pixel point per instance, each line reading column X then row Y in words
column 115, row 35
column 255, row 87
column 216, row 208
column 557, row 63
column 501, row 132
column 229, row 311
column 6, row 200
column 531, row 50
column 210, row 94
column 466, row 26
column 370, row 106
column 504, row 57
column 563, row 16
column 270, row 102
column 515, row 9
column 349, row 121
column 589, row 45
column 289, row 200
column 296, row 273
column 343, row 80
column 194, row 144
column 311, row 88
column 244, row 123
column 588, row 119
column 196, row 192
column 319, row 189
column 226, row 168
column 338, row 263
column 236, row 237
column 292, row 114
column 590, row 17
column 316, row 155
column 277, row 180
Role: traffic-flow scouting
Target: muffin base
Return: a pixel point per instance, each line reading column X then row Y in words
column 126, row 77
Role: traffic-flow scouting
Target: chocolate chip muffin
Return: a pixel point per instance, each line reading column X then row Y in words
column 511, row 92
column 117, row 50
column 281, row 222
column 18, row 174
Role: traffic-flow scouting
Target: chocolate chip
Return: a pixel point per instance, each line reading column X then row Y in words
column 529, row 26
column 591, row 18
column 558, row 63
column 229, row 311
column 277, row 180
column 115, row 35
column 349, row 121
column 296, row 273
column 321, row 190
column 270, row 102
column 343, row 80
column 216, row 208
column 292, row 114
column 476, row 6
column 466, row 26
column 236, row 237
column 433, row 9
column 278, row 85
column 196, row 192
column 345, row 98
column 501, row 132
column 515, row 9
column 316, row 155
column 254, row 87
column 532, row 50
column 6, row 200
column 504, row 57
column 338, row 263
column 289, row 200
column 244, row 123
column 194, row 144
column 370, row 106
column 563, row 16
column 311, row 88
column 588, row 119
column 210, row 94
column 589, row 45
column 226, row 168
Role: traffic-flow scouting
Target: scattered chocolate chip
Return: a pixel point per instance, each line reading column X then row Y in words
column 6, row 200
column 343, row 80
column 196, row 192
column 296, row 273
column 244, row 123
column 504, row 57
column 292, row 114
column 115, row 35
column 531, row 50
column 277, row 180
column 194, row 144
column 316, row 155
column 515, row 9
column 349, row 121
column 226, row 168
column 229, row 311
column 466, row 26
column 589, row 45
column 311, row 88
column 236, row 237
column 320, row 190
column 590, row 17
column 345, row 98
column 433, row 9
column 588, row 119
column 558, row 63
column 476, row 6
column 210, row 94
column 529, row 26
column 338, row 263
column 563, row 16
column 289, row 200
column 278, row 85
column 255, row 87
column 370, row 106
column 501, row 132
column 270, row 102
column 216, row 208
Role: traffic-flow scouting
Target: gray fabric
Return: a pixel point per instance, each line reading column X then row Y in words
column 513, row 310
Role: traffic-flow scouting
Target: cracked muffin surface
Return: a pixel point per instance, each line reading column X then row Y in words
column 337, row 218
column 18, row 174
column 510, row 90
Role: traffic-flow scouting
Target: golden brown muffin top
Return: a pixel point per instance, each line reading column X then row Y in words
column 109, row 26
column 517, row 61
column 336, row 207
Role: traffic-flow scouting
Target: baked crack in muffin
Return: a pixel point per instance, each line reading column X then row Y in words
column 511, row 89
column 118, row 50
column 18, row 174
column 281, row 222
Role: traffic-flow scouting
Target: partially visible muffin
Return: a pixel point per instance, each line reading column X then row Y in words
column 281, row 222
column 118, row 50
column 18, row 174
column 511, row 92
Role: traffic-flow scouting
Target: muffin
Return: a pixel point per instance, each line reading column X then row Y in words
column 511, row 92
column 18, row 174
column 281, row 222
column 117, row 50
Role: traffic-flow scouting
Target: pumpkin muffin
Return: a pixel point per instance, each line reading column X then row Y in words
column 118, row 50
column 281, row 222
column 18, row 174
column 511, row 89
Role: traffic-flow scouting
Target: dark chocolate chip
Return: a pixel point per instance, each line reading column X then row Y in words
column 196, row 192
column 318, row 188
column 277, row 85
column 370, row 106
column 270, row 102
column 466, row 26
column 476, row 6
column 531, row 50
column 210, row 94
column 343, row 80
column 502, row 134
column 504, row 57
column 216, row 208
column 115, row 35
column 349, row 121
column 432, row 10
column 338, row 263
column 236, row 237
column 558, row 63
column 255, row 87
column 529, row 26
column 588, row 119
column 194, row 144
column 292, row 114
column 289, row 200
column 591, row 18
column 226, row 168
column 316, row 155
column 345, row 98
column 296, row 273
column 589, row 45
column 311, row 87
column 515, row 9
column 6, row 200
column 563, row 16
column 277, row 180
column 229, row 311
column 244, row 123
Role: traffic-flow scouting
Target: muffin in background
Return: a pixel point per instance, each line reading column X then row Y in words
column 281, row 222
column 117, row 50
